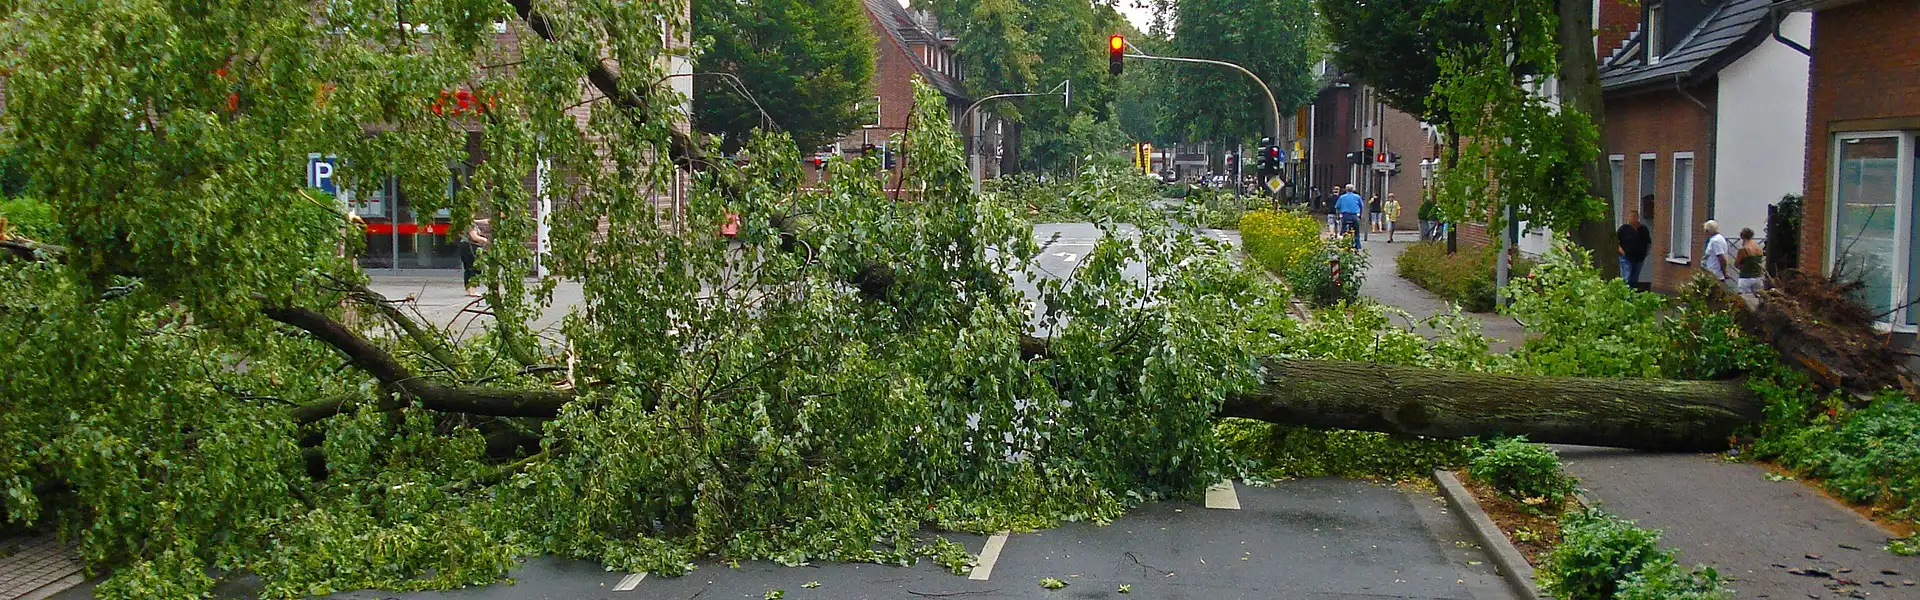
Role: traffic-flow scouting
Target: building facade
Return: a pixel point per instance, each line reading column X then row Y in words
column 911, row 45
column 1863, row 151
column 1343, row 115
column 1704, row 114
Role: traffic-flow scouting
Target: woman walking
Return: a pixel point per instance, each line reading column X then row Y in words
column 1750, row 260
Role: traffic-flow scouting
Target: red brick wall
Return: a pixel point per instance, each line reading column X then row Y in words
column 1664, row 123
column 893, row 73
column 1617, row 18
column 1400, row 133
column 1865, row 75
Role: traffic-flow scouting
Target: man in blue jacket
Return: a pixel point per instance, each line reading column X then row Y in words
column 1349, row 206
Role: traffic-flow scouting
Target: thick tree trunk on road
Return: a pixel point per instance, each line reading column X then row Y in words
column 1647, row 414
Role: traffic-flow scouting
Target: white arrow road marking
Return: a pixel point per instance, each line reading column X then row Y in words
column 631, row 581
column 1067, row 256
column 1222, row 495
column 988, row 555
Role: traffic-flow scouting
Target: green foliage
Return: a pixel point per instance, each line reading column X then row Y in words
column 1052, row 583
column 1581, row 325
column 1281, row 241
column 1402, row 41
column 29, row 218
column 1517, row 151
column 1275, row 39
column 1220, row 209
column 1525, row 472
column 808, row 64
column 1284, row 452
column 1332, row 273
column 1601, row 556
column 1465, row 278
column 1867, row 456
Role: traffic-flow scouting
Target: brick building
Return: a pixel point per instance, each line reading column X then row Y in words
column 1863, row 158
column 1344, row 113
column 1703, row 121
column 912, row 45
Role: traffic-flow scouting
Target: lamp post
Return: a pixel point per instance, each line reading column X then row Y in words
column 973, row 126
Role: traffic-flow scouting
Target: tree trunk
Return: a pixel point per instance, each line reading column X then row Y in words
column 1646, row 414
column 1580, row 90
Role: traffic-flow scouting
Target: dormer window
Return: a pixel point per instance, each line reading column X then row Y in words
column 1655, row 21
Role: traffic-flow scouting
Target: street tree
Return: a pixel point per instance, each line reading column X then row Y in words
column 199, row 382
column 807, row 63
column 1395, row 46
column 1274, row 39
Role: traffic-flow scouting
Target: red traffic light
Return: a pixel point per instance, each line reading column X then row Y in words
column 1369, row 145
column 1382, row 157
column 1116, row 53
column 1273, row 152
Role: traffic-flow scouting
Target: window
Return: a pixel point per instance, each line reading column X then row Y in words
column 1649, row 170
column 1680, row 227
column 1655, row 20
column 1618, row 164
column 1874, row 236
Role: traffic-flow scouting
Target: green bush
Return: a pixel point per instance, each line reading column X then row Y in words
column 1332, row 274
column 1464, row 278
column 28, row 218
column 1603, row 557
column 1279, row 240
column 1666, row 580
column 1866, row 456
column 1525, row 472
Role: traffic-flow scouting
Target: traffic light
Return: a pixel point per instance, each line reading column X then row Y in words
column 886, row 153
column 1233, row 162
column 1358, row 158
column 1116, row 53
column 1380, row 158
column 819, row 164
column 1369, row 146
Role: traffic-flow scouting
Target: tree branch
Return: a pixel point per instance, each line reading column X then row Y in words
column 684, row 152
column 382, row 366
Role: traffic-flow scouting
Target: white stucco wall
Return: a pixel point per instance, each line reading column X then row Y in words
column 1761, row 145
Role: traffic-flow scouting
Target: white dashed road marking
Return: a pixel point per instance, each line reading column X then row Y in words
column 629, row 582
column 988, row 555
column 1223, row 496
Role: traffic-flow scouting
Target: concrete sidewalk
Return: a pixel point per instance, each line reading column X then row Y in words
column 1768, row 539
column 1386, row 287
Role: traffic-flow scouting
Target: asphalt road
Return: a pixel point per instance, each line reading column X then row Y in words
column 1313, row 539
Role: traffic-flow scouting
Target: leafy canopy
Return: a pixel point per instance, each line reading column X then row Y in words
column 808, row 63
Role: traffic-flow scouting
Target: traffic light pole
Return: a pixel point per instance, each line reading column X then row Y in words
column 1272, row 105
column 973, row 128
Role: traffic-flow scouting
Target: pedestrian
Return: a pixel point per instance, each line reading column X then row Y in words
column 1393, row 214
column 1349, row 207
column 1750, row 260
column 1718, row 260
column 470, row 244
column 1373, row 214
column 1635, row 241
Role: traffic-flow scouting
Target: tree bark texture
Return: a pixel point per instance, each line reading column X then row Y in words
column 1646, row 414
column 1580, row 90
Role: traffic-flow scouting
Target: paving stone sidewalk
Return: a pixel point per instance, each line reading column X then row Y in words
column 36, row 567
column 1768, row 539
column 1383, row 285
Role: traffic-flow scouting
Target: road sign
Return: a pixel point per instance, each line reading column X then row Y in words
column 1274, row 185
column 1383, row 167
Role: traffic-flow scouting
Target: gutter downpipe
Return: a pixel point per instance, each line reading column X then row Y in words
column 1773, row 14
column 1713, row 146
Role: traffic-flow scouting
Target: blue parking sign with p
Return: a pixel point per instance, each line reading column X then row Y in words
column 320, row 174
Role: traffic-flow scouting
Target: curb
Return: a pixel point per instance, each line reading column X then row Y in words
column 1513, row 567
